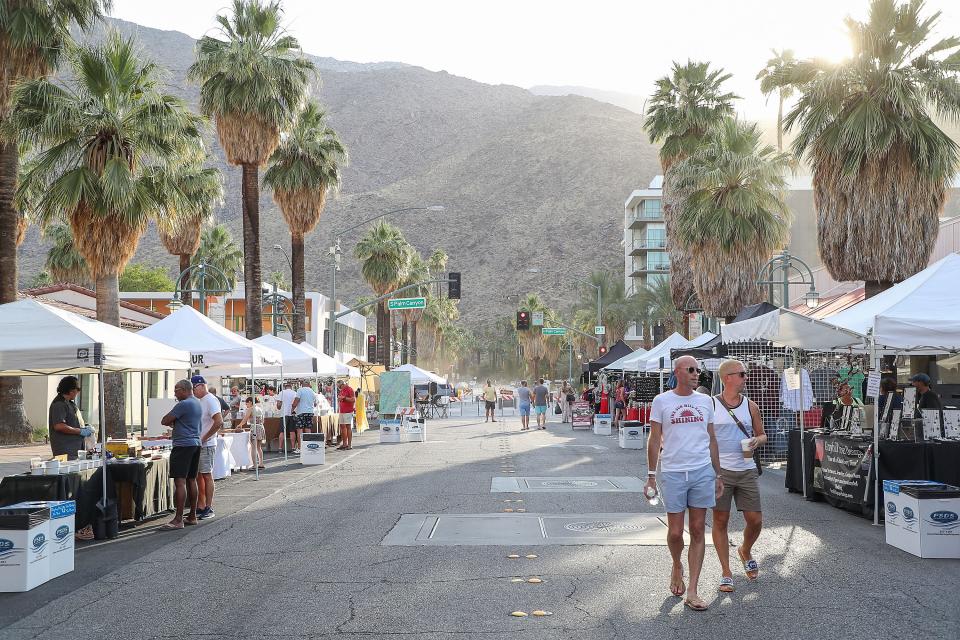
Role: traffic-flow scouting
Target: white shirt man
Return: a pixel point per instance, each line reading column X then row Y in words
column 211, row 421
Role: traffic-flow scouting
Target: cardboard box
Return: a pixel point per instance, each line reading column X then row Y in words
column 603, row 424
column 60, row 532
column 390, row 431
column 24, row 548
column 312, row 449
column 631, row 437
column 922, row 517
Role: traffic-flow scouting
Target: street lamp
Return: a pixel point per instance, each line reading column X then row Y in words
column 335, row 253
column 777, row 271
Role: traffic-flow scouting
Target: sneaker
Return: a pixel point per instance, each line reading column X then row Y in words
column 296, row 451
column 206, row 514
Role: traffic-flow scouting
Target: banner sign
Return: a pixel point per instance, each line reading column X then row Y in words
column 844, row 468
column 582, row 414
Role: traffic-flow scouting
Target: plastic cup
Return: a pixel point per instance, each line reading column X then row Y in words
column 745, row 447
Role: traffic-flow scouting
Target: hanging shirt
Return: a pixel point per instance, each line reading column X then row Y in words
column 791, row 398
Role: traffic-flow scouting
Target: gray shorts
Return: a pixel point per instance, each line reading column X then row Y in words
column 207, row 456
column 741, row 486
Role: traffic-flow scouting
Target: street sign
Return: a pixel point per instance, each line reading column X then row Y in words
column 554, row 331
column 538, row 318
column 599, row 330
column 399, row 304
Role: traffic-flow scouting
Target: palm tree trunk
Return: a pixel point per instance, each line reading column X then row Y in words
column 383, row 333
column 13, row 422
column 186, row 296
column 252, row 281
column 299, row 294
column 108, row 310
column 780, row 124
column 404, row 351
column 873, row 287
column 413, row 342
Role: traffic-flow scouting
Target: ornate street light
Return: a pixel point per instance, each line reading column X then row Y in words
column 777, row 271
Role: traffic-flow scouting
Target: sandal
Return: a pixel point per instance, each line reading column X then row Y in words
column 696, row 604
column 726, row 585
column 190, row 523
column 678, row 589
column 171, row 527
column 750, row 566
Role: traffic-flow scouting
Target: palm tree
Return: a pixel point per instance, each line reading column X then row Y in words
column 734, row 216
column 109, row 135
column 218, row 249
column 880, row 163
column 33, row 35
column 535, row 347
column 416, row 270
column 253, row 81
column 383, row 252
column 658, row 308
column 683, row 108
column 771, row 79
column 64, row 262
column 303, row 170
column 202, row 189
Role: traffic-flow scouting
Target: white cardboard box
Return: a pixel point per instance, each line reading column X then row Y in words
column 390, row 431
column 312, row 449
column 631, row 437
column 415, row 429
column 24, row 550
column 602, row 424
column 60, row 532
column 928, row 527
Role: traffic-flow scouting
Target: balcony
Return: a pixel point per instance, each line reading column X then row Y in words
column 643, row 268
column 650, row 244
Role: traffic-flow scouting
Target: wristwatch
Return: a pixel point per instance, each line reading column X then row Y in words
column 651, row 474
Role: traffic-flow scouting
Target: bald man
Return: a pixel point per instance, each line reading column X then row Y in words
column 681, row 420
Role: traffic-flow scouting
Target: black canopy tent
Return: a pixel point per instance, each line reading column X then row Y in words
column 613, row 354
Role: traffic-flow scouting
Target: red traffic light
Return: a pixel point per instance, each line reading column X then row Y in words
column 371, row 338
column 603, row 350
column 523, row 314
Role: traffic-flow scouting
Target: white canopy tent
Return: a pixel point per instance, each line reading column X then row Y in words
column 37, row 339
column 785, row 328
column 920, row 315
column 658, row 358
column 420, row 376
column 327, row 366
column 297, row 361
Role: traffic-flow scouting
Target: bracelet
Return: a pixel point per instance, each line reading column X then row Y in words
column 651, row 474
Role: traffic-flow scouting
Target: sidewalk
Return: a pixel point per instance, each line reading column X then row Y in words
column 15, row 459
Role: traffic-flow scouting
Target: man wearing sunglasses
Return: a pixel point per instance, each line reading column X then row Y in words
column 681, row 420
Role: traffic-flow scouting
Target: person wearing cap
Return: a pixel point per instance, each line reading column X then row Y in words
column 66, row 432
column 303, row 406
column 211, row 421
column 927, row 398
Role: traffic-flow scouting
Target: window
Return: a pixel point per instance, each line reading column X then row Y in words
column 651, row 209
column 656, row 236
column 658, row 261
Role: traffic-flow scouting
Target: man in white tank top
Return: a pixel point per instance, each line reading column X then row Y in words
column 734, row 414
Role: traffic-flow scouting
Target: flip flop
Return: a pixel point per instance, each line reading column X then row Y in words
column 683, row 586
column 696, row 605
column 190, row 523
column 726, row 585
column 749, row 566
column 171, row 527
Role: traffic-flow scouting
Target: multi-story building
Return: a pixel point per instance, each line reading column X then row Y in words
column 645, row 238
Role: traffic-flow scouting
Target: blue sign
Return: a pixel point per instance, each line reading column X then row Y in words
column 5, row 545
column 39, row 542
column 313, row 446
column 62, row 532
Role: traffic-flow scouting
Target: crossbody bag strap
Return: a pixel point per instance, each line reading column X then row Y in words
column 735, row 418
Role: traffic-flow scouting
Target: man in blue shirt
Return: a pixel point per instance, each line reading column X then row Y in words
column 184, row 418
column 303, row 406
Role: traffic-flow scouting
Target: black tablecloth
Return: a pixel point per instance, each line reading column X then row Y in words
column 152, row 489
column 794, row 478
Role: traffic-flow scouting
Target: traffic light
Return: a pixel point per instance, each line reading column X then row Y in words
column 603, row 350
column 523, row 320
column 453, row 286
column 372, row 347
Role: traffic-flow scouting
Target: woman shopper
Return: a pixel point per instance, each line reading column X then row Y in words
column 253, row 420
column 738, row 426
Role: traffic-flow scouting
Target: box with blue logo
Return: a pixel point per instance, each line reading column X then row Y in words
column 922, row 517
column 60, row 532
column 415, row 429
column 631, row 436
column 390, row 431
column 24, row 548
column 602, row 424
column 313, row 449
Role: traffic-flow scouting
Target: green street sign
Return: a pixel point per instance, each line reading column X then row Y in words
column 599, row 330
column 400, row 304
column 554, row 331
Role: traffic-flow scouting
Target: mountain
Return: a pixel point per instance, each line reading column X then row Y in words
column 527, row 181
column 628, row 101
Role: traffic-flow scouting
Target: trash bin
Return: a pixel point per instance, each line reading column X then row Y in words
column 922, row 517
column 312, row 448
column 60, row 532
column 24, row 548
column 602, row 424
column 631, row 436
column 389, row 431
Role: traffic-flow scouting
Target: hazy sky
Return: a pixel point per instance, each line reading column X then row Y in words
column 605, row 44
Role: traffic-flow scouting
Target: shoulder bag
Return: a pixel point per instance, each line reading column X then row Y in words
column 756, row 454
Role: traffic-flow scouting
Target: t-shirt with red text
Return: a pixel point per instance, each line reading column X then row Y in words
column 686, row 442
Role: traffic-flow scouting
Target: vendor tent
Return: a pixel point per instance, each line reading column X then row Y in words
column 210, row 344
column 327, row 366
column 658, row 357
column 714, row 348
column 619, row 350
column 38, row 339
column 420, row 376
column 785, row 328
column 918, row 316
column 297, row 360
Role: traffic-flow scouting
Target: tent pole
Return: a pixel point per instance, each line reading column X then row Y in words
column 143, row 404
column 253, row 446
column 803, row 456
column 876, row 436
column 103, row 439
column 283, row 422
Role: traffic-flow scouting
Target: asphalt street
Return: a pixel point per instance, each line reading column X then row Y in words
column 301, row 554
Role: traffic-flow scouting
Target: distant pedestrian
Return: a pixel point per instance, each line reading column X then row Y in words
column 737, row 419
column 211, row 421
column 184, row 419
column 235, row 402
column 541, row 402
column 619, row 403
column 288, row 418
column 253, row 420
column 346, row 403
column 569, row 397
column 303, row 407
column 524, row 400
column 682, row 421
column 490, row 402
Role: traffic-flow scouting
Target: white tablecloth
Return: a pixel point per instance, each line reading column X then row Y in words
column 233, row 453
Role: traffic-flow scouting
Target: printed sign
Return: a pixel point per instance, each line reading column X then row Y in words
column 554, row 331
column 537, row 317
column 599, row 330
column 582, row 414
column 873, row 384
column 844, row 468
column 397, row 304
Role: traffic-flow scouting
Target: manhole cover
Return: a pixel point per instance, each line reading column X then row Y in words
column 568, row 483
column 603, row 526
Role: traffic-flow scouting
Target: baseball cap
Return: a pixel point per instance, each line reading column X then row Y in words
column 195, row 380
column 921, row 377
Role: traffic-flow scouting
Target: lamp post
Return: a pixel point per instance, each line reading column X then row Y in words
column 210, row 280
column 777, row 271
column 335, row 254
column 276, row 300
column 599, row 307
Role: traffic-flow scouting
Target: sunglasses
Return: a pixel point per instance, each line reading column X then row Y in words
column 694, row 370
column 742, row 374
